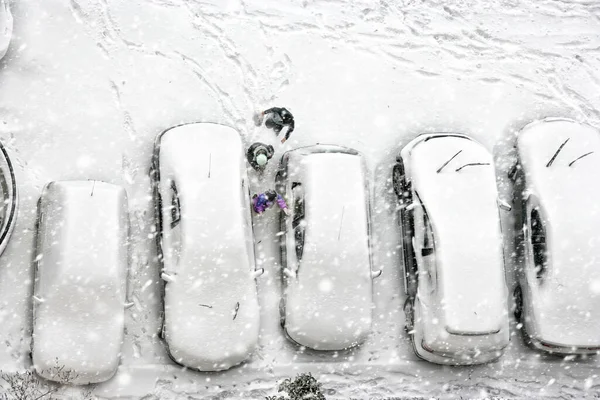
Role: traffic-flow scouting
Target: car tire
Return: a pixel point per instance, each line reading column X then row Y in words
column 518, row 307
column 409, row 313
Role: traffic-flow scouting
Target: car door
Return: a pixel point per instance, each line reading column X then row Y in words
column 247, row 220
column 38, row 260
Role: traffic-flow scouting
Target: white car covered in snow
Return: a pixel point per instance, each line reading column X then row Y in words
column 557, row 193
column 6, row 27
column 80, row 281
column 9, row 199
column 206, row 246
column 456, row 308
column 326, row 253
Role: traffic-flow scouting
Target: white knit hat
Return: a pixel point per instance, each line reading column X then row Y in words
column 261, row 160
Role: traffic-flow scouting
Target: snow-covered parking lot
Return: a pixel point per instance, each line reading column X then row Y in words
column 87, row 85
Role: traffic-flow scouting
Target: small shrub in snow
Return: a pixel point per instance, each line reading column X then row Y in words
column 27, row 386
column 22, row 386
column 303, row 387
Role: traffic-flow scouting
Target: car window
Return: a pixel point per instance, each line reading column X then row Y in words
column 171, row 238
column 297, row 218
column 428, row 254
column 298, row 211
column 427, row 237
column 538, row 243
column 175, row 206
column 298, row 207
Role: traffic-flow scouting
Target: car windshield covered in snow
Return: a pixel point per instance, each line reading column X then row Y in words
column 211, row 314
column 326, row 253
column 452, row 218
column 557, row 190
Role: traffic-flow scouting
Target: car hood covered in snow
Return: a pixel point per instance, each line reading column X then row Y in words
column 328, row 304
column 566, row 301
column 461, row 202
column 211, row 305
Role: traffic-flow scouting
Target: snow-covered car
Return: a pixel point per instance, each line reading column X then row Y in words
column 453, row 261
column 556, row 190
column 9, row 199
column 80, row 281
column 325, row 246
column 6, row 27
column 206, row 246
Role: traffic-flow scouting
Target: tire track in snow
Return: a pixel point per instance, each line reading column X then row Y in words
column 224, row 99
column 113, row 35
column 229, row 50
column 128, row 125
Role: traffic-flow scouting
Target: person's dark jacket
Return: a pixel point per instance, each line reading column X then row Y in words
column 278, row 118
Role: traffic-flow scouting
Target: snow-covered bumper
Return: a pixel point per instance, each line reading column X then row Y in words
column 435, row 344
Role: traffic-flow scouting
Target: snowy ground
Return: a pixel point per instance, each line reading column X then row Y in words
column 87, row 84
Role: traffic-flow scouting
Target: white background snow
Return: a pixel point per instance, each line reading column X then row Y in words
column 88, row 84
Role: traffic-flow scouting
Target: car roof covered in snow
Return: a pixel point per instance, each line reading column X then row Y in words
column 329, row 304
column 567, row 192
column 454, row 179
column 6, row 27
column 211, row 304
column 80, row 280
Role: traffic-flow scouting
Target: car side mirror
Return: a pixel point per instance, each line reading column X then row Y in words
column 504, row 205
column 413, row 205
column 167, row 277
column 257, row 273
column 289, row 273
column 512, row 173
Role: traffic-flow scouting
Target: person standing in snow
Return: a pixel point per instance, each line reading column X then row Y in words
column 262, row 201
column 259, row 154
column 277, row 119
